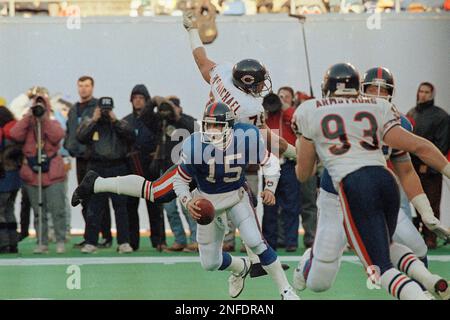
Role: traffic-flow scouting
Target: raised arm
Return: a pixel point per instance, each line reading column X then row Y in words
column 198, row 50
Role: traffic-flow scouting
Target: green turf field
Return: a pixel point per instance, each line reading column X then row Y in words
column 149, row 274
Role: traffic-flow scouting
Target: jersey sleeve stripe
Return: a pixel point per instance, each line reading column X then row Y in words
column 388, row 126
column 164, row 178
column 147, row 190
column 183, row 174
column 165, row 190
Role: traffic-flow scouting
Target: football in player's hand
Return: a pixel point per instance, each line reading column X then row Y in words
column 207, row 211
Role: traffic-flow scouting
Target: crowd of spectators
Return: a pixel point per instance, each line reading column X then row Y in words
column 223, row 7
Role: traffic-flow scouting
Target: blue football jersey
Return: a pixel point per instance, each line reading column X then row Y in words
column 219, row 171
column 326, row 182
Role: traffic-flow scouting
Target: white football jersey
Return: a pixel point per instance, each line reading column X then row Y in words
column 248, row 109
column 347, row 132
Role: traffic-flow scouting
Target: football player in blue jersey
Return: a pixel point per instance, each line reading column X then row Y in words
column 216, row 159
column 318, row 267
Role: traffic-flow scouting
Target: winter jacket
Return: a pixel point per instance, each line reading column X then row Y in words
column 25, row 131
column 76, row 116
column 144, row 146
column 10, row 156
column 431, row 123
column 106, row 141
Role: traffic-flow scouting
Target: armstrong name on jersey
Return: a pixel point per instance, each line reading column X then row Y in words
column 347, row 132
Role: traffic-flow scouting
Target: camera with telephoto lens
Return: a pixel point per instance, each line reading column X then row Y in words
column 165, row 111
column 38, row 109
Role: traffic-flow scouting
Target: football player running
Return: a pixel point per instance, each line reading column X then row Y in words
column 216, row 159
column 347, row 131
column 324, row 259
column 241, row 87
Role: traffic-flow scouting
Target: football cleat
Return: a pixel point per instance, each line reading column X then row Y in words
column 85, row 189
column 289, row 294
column 299, row 281
column 236, row 281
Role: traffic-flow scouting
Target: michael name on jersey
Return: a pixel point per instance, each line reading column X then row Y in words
column 224, row 94
column 330, row 101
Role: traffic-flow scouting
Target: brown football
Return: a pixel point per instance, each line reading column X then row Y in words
column 207, row 211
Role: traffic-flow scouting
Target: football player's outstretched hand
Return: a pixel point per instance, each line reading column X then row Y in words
column 437, row 227
column 193, row 209
column 189, row 20
column 268, row 197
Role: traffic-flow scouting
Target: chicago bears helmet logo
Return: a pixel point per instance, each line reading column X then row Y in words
column 248, row 79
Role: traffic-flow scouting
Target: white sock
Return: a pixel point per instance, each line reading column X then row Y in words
column 400, row 286
column 405, row 261
column 277, row 273
column 237, row 266
column 130, row 185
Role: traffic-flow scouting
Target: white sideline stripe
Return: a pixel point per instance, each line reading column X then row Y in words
column 148, row 260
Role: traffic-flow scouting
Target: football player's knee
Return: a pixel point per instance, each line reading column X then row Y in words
column 419, row 248
column 258, row 246
column 327, row 256
column 210, row 264
column 322, row 275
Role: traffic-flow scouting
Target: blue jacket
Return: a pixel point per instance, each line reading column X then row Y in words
column 9, row 160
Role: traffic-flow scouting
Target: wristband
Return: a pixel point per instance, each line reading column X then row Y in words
column 194, row 39
column 422, row 204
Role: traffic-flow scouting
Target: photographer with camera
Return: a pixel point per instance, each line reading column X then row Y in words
column 107, row 141
column 19, row 107
column 43, row 170
column 171, row 126
column 79, row 112
column 10, row 161
column 139, row 160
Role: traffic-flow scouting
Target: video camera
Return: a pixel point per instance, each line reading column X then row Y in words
column 165, row 111
column 164, row 108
